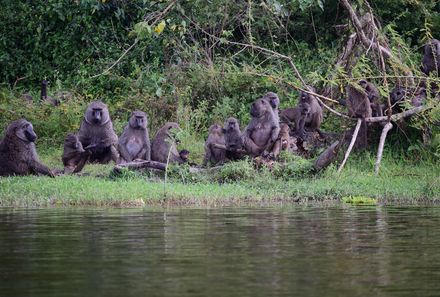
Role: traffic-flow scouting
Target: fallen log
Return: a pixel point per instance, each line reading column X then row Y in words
column 137, row 165
column 327, row 157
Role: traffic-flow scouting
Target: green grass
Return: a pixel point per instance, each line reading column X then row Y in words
column 399, row 182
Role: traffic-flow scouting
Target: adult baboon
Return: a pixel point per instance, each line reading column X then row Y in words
column 213, row 154
column 274, row 102
column 233, row 139
column 373, row 96
column 134, row 142
column 96, row 133
column 284, row 142
column 74, row 156
column 359, row 106
column 299, row 116
column 315, row 115
column 164, row 145
column 18, row 154
column 431, row 57
column 262, row 131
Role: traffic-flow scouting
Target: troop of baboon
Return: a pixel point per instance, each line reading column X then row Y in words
column 269, row 131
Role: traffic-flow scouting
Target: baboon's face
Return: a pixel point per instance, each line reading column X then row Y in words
column 231, row 124
column 260, row 108
column 397, row 94
column 304, row 108
column 304, row 97
column 273, row 99
column 184, row 155
column 97, row 113
column 25, row 132
column 216, row 129
column 138, row 120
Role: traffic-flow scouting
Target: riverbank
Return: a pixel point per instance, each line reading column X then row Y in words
column 398, row 183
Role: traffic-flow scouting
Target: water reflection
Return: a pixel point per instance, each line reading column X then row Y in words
column 295, row 251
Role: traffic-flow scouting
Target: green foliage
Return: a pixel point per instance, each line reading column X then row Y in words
column 236, row 171
column 292, row 166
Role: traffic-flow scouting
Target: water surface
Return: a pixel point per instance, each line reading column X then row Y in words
column 292, row 251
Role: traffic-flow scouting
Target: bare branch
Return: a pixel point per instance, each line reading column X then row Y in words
column 350, row 147
column 383, row 136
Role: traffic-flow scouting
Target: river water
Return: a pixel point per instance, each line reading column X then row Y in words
column 281, row 251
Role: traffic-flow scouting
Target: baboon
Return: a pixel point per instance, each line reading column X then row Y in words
column 233, row 139
column 262, row 131
column 18, row 154
column 184, row 155
column 96, row 133
column 416, row 96
column 164, row 145
column 134, row 142
column 373, row 96
column 74, row 156
column 45, row 97
column 213, row 154
column 284, row 142
column 431, row 57
column 359, row 107
column 274, row 102
column 314, row 117
column 298, row 115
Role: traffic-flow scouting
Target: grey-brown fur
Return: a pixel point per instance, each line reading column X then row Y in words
column 163, row 145
column 96, row 133
column 431, row 57
column 74, row 156
column 134, row 142
column 359, row 107
column 233, row 139
column 262, row 131
column 373, row 96
column 315, row 116
column 18, row 154
column 298, row 115
column 213, row 154
column 274, row 101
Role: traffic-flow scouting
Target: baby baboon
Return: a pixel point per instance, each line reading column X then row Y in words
column 18, row 155
column 298, row 115
column 96, row 133
column 284, row 142
column 431, row 58
column 184, row 155
column 74, row 156
column 213, row 154
column 315, row 115
column 359, row 107
column 164, row 145
column 134, row 142
column 274, row 102
column 374, row 97
column 233, row 139
column 262, row 131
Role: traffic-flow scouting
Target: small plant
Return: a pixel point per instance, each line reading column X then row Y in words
column 236, row 171
column 359, row 200
column 292, row 166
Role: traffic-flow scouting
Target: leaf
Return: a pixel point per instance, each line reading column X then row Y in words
column 159, row 28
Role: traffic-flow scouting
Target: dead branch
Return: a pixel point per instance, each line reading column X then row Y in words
column 397, row 116
column 141, row 165
column 350, row 147
column 327, row 157
column 223, row 147
column 383, row 136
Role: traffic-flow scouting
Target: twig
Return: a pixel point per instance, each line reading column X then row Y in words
column 159, row 16
column 383, row 136
column 350, row 147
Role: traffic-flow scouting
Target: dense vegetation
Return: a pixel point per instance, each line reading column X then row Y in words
column 176, row 63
